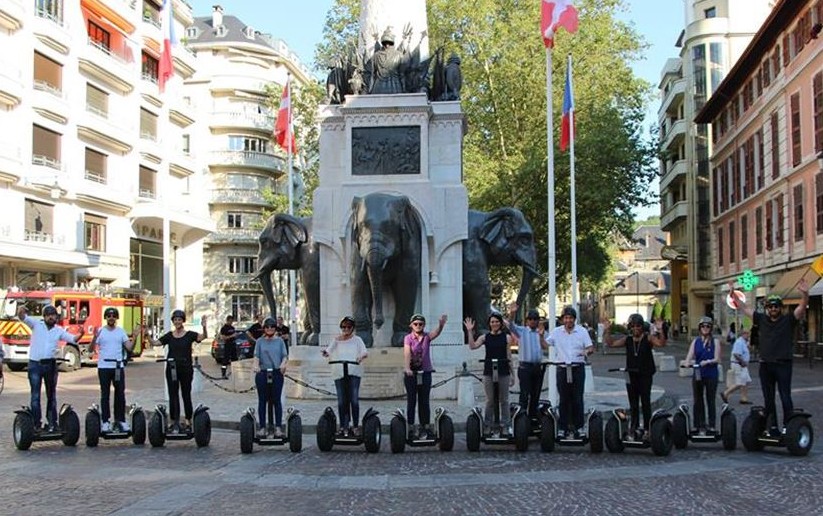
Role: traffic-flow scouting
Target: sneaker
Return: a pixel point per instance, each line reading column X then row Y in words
column 278, row 432
column 124, row 427
column 356, row 431
column 341, row 432
column 261, row 432
column 105, row 427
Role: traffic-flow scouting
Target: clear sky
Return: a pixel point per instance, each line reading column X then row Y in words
column 300, row 25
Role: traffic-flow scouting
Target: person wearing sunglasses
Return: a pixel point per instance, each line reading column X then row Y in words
column 347, row 346
column 417, row 359
column 531, row 345
column 270, row 353
column 776, row 334
column 705, row 351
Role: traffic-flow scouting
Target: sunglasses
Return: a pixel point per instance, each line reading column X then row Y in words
column 346, row 327
column 417, row 323
column 773, row 306
column 269, row 327
column 705, row 326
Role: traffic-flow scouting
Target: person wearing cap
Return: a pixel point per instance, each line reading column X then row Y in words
column 111, row 341
column 740, row 368
column 530, row 349
column 270, row 353
column 43, row 349
column 705, row 351
column 417, row 358
column 347, row 346
column 776, row 337
column 573, row 344
column 179, row 342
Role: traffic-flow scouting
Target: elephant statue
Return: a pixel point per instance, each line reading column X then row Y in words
column 386, row 239
column 500, row 237
column 285, row 243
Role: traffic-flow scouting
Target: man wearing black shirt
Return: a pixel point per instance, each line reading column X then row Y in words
column 228, row 336
column 283, row 331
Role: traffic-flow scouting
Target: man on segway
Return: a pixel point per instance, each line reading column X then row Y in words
column 112, row 340
column 573, row 345
column 530, row 355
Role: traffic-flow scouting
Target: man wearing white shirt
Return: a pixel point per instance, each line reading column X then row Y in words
column 573, row 344
column 112, row 342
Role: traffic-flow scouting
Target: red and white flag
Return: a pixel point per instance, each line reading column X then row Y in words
column 283, row 129
column 165, row 68
column 555, row 14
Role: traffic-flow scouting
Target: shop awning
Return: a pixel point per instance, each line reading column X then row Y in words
column 786, row 286
column 817, row 289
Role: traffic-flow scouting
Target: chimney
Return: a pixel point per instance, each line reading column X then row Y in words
column 216, row 16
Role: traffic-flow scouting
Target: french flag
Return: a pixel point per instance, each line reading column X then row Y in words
column 555, row 14
column 567, row 124
column 166, row 66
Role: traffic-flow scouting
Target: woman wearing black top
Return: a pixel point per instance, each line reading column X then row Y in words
column 639, row 364
column 179, row 342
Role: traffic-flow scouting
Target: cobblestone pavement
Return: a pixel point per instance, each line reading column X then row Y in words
column 119, row 478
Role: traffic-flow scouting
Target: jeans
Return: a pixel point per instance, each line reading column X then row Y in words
column 639, row 390
column 40, row 373
column 779, row 373
column 503, row 401
column 106, row 377
column 531, row 380
column 269, row 393
column 185, row 374
column 418, row 395
column 571, row 397
column 348, row 406
column 709, row 385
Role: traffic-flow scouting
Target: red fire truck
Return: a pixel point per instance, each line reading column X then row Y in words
column 74, row 308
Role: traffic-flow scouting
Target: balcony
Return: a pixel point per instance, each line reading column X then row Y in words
column 111, row 195
column 676, row 171
column 673, row 137
column 98, row 127
column 43, row 166
column 12, row 14
column 110, row 66
column 11, row 84
column 50, row 102
column 11, row 161
column 185, row 61
column 674, row 97
column 258, row 160
column 181, row 111
column 40, row 237
column 149, row 90
column 242, row 120
column 95, row 177
column 238, row 196
column 675, row 214
column 147, row 194
column 51, row 30
column 149, row 147
column 182, row 164
column 151, row 27
column 233, row 236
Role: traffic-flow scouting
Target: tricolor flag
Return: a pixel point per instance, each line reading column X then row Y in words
column 283, row 130
column 166, row 66
column 567, row 124
column 555, row 14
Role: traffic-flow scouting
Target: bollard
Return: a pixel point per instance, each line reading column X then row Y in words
column 589, row 386
column 197, row 378
column 465, row 389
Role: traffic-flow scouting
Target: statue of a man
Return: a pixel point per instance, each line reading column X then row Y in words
column 386, row 68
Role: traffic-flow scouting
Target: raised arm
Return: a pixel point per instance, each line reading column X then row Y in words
column 513, row 328
column 607, row 335
column 441, row 323
column 800, row 310
column 742, row 305
column 657, row 338
column 204, row 334
column 468, row 323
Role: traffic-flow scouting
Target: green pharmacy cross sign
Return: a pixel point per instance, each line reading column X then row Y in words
column 748, row 280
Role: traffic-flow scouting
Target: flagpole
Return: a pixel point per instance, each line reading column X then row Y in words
column 292, row 289
column 551, row 316
column 571, row 179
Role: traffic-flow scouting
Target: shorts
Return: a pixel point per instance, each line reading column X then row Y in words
column 741, row 375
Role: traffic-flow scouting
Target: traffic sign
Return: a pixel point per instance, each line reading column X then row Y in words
column 739, row 295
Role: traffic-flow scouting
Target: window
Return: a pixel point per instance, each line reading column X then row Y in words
column 748, row 164
column 724, row 186
column 817, row 95
column 779, row 236
column 769, row 226
column 150, row 68
column 99, row 36
column 95, row 232
column 39, row 222
column 234, row 219
column 795, row 110
column 221, row 31
column 46, row 148
column 97, row 101
column 775, row 146
column 776, row 61
column 761, row 163
column 247, row 143
column 242, row 264
column 735, row 188
column 48, row 74
column 148, row 125
column 95, row 166
column 699, row 75
column 49, row 9
column 192, row 33
column 758, row 230
column 716, row 190
column 786, row 55
column 818, row 195
column 766, row 73
column 797, row 197
column 732, row 254
column 744, row 237
column 711, row 12
column 243, row 307
column 720, row 247
column 148, row 183
column 186, row 144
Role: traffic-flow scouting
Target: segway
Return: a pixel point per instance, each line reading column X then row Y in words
column 159, row 429
column 294, row 426
column 476, row 431
column 68, row 423
column 327, row 434
column 683, row 431
column 400, row 431
column 797, row 436
column 550, row 432
column 618, row 436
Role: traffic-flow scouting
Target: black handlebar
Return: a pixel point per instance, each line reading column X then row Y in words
column 623, row 370
column 353, row 362
column 169, row 360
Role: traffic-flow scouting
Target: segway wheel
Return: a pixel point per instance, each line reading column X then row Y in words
column 661, row 437
column 71, row 428
column 751, row 430
column 295, row 434
column 799, row 436
column 92, row 429
column 157, row 436
column 680, row 430
column 371, row 434
column 596, row 433
column 202, row 429
column 728, row 431
column 473, row 433
column 521, row 432
column 138, row 428
column 325, row 433
column 397, row 435
column 547, row 434
column 614, row 442
column 23, row 431
column 446, row 430
column 246, row 434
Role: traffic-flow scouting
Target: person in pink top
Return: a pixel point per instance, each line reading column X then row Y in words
column 417, row 360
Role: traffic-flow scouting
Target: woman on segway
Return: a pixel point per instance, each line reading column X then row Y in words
column 347, row 346
column 498, row 346
column 270, row 353
column 417, row 358
column 112, row 341
column 705, row 351
column 640, row 365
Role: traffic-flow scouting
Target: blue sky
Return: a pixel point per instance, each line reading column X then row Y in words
column 659, row 21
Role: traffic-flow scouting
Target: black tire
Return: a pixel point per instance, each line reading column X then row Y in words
column 71, row 354
column 680, row 430
column 614, row 441
column 23, row 431
column 138, row 428
column 92, row 429
column 295, row 434
column 596, row 433
column 2, row 379
column 473, row 433
column 372, row 434
column 325, row 433
column 70, row 425
column 446, row 430
column 522, row 431
column 661, row 437
column 157, row 436
column 246, row 434
column 799, row 436
column 202, row 429
column 397, row 434
column 547, row 434
column 16, row 367
column 750, row 432
column 728, row 431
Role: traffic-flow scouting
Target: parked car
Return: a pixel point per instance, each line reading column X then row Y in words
column 245, row 347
